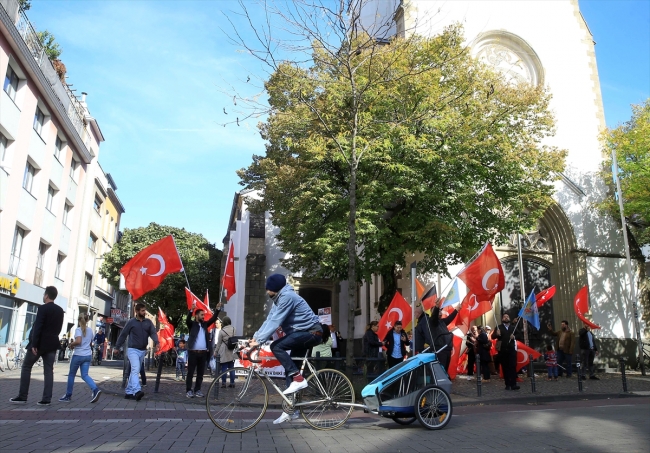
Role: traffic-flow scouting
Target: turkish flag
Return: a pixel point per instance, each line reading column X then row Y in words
column 146, row 270
column 398, row 310
column 455, row 355
column 544, row 296
column 191, row 299
column 484, row 276
column 165, row 334
column 228, row 280
column 523, row 352
column 470, row 309
column 581, row 306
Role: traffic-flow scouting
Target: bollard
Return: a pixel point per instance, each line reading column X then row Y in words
column 479, row 384
column 533, row 385
column 621, row 361
column 579, row 368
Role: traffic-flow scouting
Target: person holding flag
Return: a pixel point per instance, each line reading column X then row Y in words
column 507, row 348
column 139, row 330
column 199, row 347
column 440, row 334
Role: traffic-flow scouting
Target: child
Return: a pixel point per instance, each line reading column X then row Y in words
column 551, row 363
column 181, row 359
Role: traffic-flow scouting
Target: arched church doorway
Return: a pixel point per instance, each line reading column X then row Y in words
column 316, row 297
column 537, row 276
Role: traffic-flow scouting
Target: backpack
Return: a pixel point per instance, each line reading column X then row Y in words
column 231, row 342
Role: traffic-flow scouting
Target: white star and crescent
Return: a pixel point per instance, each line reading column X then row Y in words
column 143, row 270
column 487, row 276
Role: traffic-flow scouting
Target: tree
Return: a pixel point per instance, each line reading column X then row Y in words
column 201, row 260
column 378, row 148
column 25, row 4
column 48, row 41
column 631, row 141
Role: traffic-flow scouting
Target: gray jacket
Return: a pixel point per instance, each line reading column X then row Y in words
column 138, row 333
column 225, row 354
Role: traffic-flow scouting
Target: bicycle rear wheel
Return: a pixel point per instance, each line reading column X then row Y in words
column 11, row 361
column 321, row 405
column 239, row 408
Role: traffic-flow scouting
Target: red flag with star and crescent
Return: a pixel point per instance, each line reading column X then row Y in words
column 147, row 270
column 228, row 280
column 523, row 352
column 200, row 305
column 484, row 276
column 165, row 334
column 398, row 310
column 581, row 306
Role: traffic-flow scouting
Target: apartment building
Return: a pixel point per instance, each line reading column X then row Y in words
column 58, row 209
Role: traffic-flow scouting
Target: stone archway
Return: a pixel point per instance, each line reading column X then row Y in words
column 552, row 245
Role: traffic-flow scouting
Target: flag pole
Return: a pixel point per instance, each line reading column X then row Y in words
column 521, row 283
column 633, row 294
column 182, row 265
column 413, row 299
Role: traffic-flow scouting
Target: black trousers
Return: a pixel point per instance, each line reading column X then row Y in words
column 48, row 373
column 471, row 361
column 508, row 361
column 444, row 357
column 392, row 361
column 196, row 361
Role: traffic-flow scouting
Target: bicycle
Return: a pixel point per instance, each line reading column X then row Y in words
column 15, row 356
column 325, row 404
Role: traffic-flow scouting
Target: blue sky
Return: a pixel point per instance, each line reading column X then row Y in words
column 157, row 74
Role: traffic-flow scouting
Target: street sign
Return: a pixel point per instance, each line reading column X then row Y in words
column 109, row 320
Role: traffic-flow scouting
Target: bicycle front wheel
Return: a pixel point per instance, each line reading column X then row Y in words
column 239, row 407
column 325, row 403
column 11, row 361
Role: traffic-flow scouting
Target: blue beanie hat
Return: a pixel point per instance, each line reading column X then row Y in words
column 275, row 282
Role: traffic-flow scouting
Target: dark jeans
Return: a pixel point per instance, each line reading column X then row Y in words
column 587, row 358
column 48, row 373
column 471, row 361
column 444, row 357
column 298, row 343
column 561, row 357
column 392, row 361
column 228, row 366
column 196, row 361
column 485, row 369
column 508, row 361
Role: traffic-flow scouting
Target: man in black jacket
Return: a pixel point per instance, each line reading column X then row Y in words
column 43, row 342
column 507, row 349
column 588, row 352
column 199, row 348
column 395, row 342
column 440, row 334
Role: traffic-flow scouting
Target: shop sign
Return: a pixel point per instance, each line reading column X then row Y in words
column 9, row 286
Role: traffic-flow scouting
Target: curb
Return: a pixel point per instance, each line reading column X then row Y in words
column 544, row 399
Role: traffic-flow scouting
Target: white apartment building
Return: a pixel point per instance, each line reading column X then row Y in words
column 51, row 229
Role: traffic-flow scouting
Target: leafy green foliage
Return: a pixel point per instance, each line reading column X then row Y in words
column 631, row 141
column 48, row 41
column 201, row 260
column 25, row 4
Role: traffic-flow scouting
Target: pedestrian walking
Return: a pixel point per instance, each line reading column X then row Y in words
column 337, row 340
column 43, row 343
column 139, row 329
column 550, row 357
column 371, row 346
column 396, row 342
column 63, row 345
column 507, row 348
column 81, row 358
column 564, row 346
column 199, row 348
column 98, row 341
column 588, row 352
column 225, row 354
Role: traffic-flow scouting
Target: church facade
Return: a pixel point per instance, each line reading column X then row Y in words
column 538, row 42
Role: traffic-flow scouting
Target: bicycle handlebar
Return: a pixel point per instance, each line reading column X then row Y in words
column 247, row 355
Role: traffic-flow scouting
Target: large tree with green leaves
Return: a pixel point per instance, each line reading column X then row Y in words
column 631, row 141
column 201, row 260
column 379, row 148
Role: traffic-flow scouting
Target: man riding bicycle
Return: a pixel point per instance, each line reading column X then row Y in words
column 301, row 326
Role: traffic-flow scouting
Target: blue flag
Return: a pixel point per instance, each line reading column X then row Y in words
column 452, row 296
column 529, row 311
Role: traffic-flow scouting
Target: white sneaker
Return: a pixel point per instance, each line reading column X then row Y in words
column 285, row 417
column 295, row 386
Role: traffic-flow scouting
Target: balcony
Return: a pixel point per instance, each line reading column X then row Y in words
column 17, row 266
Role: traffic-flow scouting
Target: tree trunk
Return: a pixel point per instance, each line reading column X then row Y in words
column 352, row 257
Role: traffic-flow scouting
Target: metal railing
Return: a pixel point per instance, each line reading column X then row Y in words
column 15, row 266
column 24, row 27
column 38, row 277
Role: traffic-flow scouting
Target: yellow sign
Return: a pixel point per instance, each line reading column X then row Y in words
column 8, row 286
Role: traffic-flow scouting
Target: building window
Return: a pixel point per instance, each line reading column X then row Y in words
column 39, row 120
column 88, row 282
column 11, row 83
column 73, row 168
column 58, row 271
column 3, row 146
column 92, row 242
column 98, row 203
column 7, row 309
column 16, row 250
column 50, row 197
column 40, row 264
column 30, row 317
column 66, row 213
column 28, row 178
column 58, row 147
